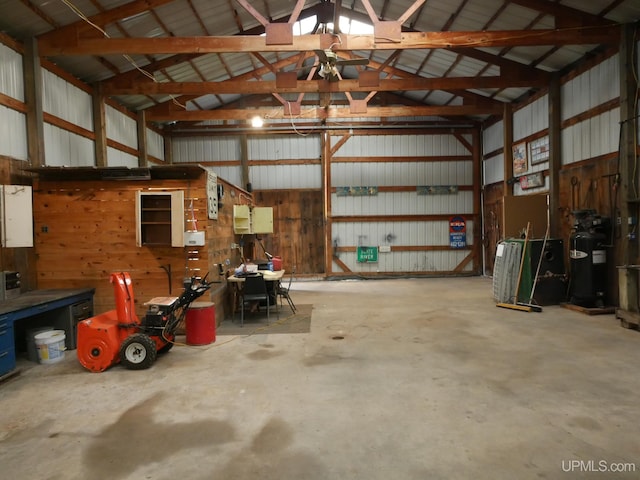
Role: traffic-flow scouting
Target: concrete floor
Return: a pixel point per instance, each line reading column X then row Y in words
column 431, row 381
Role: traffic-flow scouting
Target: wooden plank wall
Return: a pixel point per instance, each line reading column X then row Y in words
column 298, row 228
column 85, row 230
column 22, row 260
column 595, row 191
column 492, row 221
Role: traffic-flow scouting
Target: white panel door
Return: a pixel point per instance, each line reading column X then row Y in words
column 17, row 216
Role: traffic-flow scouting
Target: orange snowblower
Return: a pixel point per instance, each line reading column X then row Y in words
column 118, row 336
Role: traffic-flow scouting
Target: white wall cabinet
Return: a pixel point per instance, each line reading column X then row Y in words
column 248, row 220
column 16, row 208
column 160, row 218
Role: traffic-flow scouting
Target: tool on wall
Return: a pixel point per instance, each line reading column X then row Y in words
column 575, row 193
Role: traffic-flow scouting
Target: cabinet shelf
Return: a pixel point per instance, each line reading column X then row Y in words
column 256, row 220
column 160, row 218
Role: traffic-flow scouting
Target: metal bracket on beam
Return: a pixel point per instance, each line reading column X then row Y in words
column 387, row 31
column 357, row 106
column 369, row 78
column 292, row 108
column 279, row 34
column 286, row 79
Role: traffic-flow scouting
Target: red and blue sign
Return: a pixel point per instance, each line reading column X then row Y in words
column 457, row 232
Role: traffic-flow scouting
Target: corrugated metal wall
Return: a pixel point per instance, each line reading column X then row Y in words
column 121, row 128
column 13, row 127
column 492, row 141
column 66, row 149
column 598, row 135
column 67, row 102
column 211, row 149
column 155, row 144
column 285, row 147
column 531, row 119
column 394, row 203
column 263, row 148
column 581, row 140
column 11, row 79
column 13, row 131
column 591, row 138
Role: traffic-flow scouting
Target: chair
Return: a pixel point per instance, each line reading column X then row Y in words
column 283, row 292
column 255, row 289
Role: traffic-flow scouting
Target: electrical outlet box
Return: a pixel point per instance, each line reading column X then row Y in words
column 194, row 239
column 384, row 248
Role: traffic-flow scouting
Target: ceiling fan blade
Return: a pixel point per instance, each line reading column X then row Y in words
column 354, row 61
column 322, row 56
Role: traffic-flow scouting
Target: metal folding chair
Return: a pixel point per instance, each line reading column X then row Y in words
column 283, row 292
column 254, row 290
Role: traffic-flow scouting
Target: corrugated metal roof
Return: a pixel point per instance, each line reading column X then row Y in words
column 185, row 18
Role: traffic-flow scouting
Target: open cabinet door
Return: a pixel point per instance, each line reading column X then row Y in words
column 16, row 208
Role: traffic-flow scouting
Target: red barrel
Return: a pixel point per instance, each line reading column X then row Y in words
column 200, row 323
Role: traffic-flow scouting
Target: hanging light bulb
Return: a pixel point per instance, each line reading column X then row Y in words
column 257, row 122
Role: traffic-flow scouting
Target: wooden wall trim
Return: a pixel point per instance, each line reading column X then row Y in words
column 12, row 43
column 410, row 248
column 585, row 163
column 122, row 147
column 421, row 159
column 68, row 126
column 12, row 103
column 402, row 218
column 408, row 188
column 592, row 112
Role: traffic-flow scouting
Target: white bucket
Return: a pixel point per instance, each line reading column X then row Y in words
column 50, row 346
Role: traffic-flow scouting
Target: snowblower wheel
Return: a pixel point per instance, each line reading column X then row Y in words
column 138, row 352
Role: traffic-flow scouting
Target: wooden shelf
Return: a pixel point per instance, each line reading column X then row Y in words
column 160, row 218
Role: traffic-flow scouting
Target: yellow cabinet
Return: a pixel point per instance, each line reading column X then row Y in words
column 248, row 220
column 262, row 219
column 241, row 219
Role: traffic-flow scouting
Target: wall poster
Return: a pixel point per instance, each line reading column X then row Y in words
column 520, row 158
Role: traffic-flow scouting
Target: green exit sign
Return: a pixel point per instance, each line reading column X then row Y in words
column 367, row 254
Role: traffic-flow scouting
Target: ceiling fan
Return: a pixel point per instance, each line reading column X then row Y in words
column 329, row 63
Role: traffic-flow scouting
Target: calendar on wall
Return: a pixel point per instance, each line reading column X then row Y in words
column 539, row 150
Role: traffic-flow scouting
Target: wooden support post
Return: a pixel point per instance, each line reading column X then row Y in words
column 626, row 249
column 555, row 155
column 99, row 126
column 244, row 162
column 142, row 139
column 168, row 149
column 507, row 129
column 477, row 200
column 326, row 201
column 33, row 99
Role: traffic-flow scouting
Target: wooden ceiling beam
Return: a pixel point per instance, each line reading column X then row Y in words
column 73, row 45
column 325, row 113
column 565, row 16
column 234, row 86
column 103, row 19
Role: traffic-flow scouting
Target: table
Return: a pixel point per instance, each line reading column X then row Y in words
column 272, row 278
column 61, row 309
